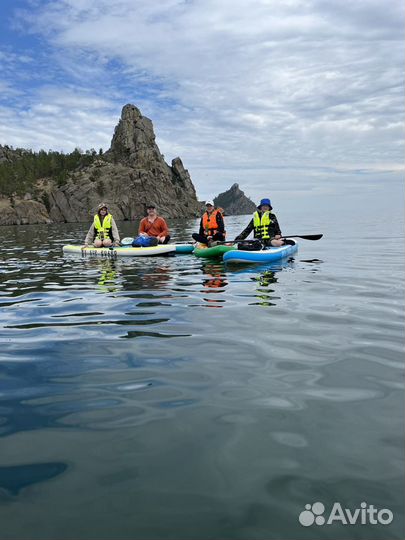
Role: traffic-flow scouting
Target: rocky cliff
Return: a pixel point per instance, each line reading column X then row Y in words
column 9, row 155
column 235, row 202
column 17, row 211
column 131, row 174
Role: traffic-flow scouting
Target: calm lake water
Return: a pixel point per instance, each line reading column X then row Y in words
column 172, row 398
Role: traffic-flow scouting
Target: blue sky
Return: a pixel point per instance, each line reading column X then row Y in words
column 285, row 97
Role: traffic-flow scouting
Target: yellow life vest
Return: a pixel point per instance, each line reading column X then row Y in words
column 262, row 224
column 103, row 230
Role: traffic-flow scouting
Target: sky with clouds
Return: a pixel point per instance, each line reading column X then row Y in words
column 280, row 96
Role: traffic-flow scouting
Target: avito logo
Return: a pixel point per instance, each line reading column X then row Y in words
column 365, row 515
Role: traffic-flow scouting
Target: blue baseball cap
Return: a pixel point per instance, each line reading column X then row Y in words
column 264, row 201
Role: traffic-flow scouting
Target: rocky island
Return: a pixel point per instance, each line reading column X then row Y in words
column 234, row 202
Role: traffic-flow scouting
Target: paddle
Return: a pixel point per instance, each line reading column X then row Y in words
column 303, row 236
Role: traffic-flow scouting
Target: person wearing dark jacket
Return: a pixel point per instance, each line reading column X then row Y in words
column 212, row 227
column 265, row 226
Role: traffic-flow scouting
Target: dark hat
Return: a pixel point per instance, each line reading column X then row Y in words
column 151, row 205
column 264, row 201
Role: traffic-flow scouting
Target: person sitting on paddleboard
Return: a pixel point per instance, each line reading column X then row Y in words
column 265, row 226
column 103, row 231
column 212, row 227
column 154, row 225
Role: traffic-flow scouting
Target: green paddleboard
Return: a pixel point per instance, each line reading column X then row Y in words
column 211, row 252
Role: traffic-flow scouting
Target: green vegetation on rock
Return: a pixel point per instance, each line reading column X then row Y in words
column 19, row 175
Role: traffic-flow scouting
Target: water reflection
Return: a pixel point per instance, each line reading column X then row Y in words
column 265, row 277
column 264, row 288
column 155, row 275
column 14, row 478
column 109, row 278
column 214, row 281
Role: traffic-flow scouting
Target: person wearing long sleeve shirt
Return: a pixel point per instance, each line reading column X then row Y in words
column 155, row 226
column 103, row 231
column 265, row 226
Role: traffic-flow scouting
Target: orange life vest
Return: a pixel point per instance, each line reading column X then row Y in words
column 210, row 224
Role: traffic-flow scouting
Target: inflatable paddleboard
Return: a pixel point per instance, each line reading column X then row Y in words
column 184, row 248
column 114, row 252
column 180, row 248
column 206, row 252
column 238, row 256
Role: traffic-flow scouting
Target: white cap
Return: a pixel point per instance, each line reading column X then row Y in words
column 209, row 202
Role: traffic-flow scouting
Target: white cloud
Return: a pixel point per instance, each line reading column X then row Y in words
column 234, row 85
column 58, row 119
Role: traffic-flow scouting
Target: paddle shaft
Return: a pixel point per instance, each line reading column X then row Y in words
column 303, row 236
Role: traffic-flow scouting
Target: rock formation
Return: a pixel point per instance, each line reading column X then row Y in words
column 235, row 202
column 8, row 154
column 131, row 174
column 133, row 142
column 22, row 212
